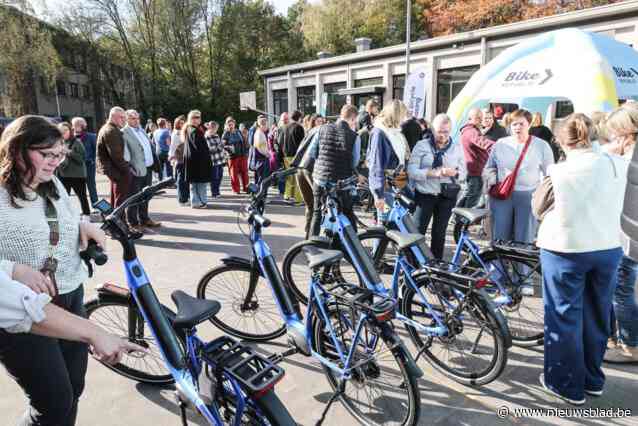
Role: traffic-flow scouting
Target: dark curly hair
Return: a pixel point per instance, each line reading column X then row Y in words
column 25, row 133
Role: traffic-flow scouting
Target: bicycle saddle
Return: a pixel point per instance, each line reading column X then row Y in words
column 473, row 216
column 404, row 240
column 192, row 311
column 321, row 257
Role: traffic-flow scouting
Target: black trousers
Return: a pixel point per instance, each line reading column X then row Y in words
column 138, row 214
column 79, row 187
column 50, row 371
column 319, row 195
column 438, row 209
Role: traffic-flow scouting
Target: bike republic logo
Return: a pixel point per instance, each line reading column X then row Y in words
column 626, row 75
column 527, row 78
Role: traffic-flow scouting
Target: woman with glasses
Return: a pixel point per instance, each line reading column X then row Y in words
column 72, row 169
column 197, row 162
column 42, row 235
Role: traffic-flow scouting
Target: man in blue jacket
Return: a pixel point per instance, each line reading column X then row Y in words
column 88, row 140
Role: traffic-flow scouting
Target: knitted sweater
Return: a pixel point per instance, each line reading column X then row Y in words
column 25, row 238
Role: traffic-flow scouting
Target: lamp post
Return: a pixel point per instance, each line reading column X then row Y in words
column 408, row 21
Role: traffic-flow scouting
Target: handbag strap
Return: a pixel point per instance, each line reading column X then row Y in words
column 54, row 225
column 522, row 156
column 612, row 164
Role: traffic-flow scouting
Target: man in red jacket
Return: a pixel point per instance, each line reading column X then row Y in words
column 476, row 149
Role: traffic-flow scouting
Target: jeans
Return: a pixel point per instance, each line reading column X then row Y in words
column 90, row 181
column 138, row 214
column 625, row 307
column 512, row 219
column 216, row 179
column 198, row 194
column 183, row 190
column 319, row 195
column 438, row 209
column 577, row 292
column 50, row 371
column 165, row 167
column 473, row 189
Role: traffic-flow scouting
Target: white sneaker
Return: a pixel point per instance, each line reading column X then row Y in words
column 593, row 392
column 541, row 379
column 527, row 290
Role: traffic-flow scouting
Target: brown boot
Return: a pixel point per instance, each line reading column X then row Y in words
column 621, row 354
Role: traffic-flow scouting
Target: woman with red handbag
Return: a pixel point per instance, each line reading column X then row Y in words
column 518, row 161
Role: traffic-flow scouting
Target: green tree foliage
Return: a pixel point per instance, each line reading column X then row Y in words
column 27, row 55
column 333, row 25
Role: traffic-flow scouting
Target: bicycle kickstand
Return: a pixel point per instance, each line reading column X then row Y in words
column 182, row 409
column 333, row 398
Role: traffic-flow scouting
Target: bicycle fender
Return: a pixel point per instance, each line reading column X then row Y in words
column 236, row 261
column 113, row 292
column 485, row 300
column 398, row 348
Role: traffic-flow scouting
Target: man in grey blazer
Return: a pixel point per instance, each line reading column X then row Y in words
column 140, row 155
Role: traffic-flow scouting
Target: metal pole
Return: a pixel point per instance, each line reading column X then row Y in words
column 408, row 20
column 57, row 99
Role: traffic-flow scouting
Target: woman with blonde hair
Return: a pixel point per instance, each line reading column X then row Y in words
column 197, row 161
column 580, row 253
column 387, row 150
column 622, row 125
column 72, row 170
column 541, row 131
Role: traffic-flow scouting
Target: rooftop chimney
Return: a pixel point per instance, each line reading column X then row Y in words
column 324, row 55
column 362, row 43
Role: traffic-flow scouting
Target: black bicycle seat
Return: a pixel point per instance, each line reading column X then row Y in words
column 404, row 240
column 473, row 216
column 192, row 311
column 321, row 257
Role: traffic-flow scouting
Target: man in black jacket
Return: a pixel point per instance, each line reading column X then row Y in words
column 491, row 129
column 336, row 149
column 289, row 140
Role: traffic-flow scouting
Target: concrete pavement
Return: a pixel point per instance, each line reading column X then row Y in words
column 192, row 241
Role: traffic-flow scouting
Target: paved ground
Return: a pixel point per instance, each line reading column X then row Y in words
column 192, row 241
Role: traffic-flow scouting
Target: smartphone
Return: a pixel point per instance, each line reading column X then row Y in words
column 103, row 206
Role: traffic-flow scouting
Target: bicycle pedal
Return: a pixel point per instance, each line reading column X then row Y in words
column 277, row 358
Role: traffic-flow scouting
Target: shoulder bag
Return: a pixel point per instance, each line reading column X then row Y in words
column 503, row 189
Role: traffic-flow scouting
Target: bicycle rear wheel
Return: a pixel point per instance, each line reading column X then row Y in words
column 380, row 391
column 266, row 410
column 474, row 351
column 125, row 320
column 257, row 319
column 525, row 315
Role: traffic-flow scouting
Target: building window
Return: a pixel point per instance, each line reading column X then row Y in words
column 74, row 89
column 334, row 101
column 364, row 82
column 61, row 87
column 398, row 84
column 86, row 91
column 280, row 101
column 449, row 84
column 306, row 101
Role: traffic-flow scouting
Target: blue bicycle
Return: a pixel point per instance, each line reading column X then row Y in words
column 241, row 382
column 514, row 268
column 348, row 329
column 460, row 331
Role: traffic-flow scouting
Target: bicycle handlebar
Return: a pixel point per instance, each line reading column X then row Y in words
column 266, row 183
column 144, row 195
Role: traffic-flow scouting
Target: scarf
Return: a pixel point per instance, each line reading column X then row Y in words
column 398, row 142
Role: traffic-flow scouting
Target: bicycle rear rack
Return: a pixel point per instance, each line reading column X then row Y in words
column 254, row 372
column 517, row 250
column 361, row 299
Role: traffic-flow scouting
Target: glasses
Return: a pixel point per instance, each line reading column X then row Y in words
column 50, row 156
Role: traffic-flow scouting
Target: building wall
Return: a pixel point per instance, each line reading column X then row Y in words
column 453, row 58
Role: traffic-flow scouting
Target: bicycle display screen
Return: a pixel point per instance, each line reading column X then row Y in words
column 103, row 206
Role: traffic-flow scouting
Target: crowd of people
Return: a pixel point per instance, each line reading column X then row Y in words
column 539, row 187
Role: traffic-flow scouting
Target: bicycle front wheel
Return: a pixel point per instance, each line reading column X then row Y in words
column 255, row 318
column 125, row 320
column 473, row 352
column 380, row 390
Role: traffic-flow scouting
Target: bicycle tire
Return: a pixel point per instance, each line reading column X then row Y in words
column 269, row 408
column 519, row 337
column 406, row 380
column 153, row 352
column 232, row 303
column 481, row 314
column 297, row 277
